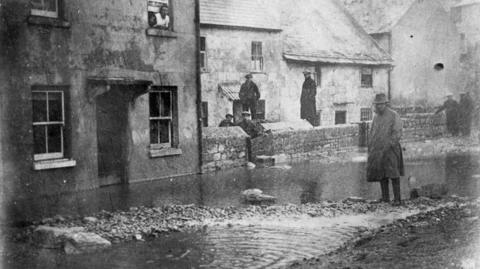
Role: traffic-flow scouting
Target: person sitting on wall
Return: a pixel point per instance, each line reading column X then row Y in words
column 227, row 122
column 251, row 128
column 160, row 19
column 451, row 108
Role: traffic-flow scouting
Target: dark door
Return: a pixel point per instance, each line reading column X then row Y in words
column 112, row 139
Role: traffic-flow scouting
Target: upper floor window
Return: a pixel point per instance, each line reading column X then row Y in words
column 163, row 117
column 203, row 53
column 257, row 56
column 48, row 123
column 366, row 77
column 366, row 114
column 45, row 8
column 159, row 14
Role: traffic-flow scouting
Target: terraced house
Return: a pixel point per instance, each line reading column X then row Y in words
column 276, row 41
column 95, row 93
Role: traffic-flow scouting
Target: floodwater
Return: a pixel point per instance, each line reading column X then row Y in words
column 255, row 245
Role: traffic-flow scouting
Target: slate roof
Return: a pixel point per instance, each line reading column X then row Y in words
column 323, row 31
column 378, row 16
column 241, row 13
column 466, row 2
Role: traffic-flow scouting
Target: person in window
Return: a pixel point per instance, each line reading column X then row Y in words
column 451, row 108
column 307, row 99
column 249, row 95
column 385, row 158
column 227, row 122
column 161, row 20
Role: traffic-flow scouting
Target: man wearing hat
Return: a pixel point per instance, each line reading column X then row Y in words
column 307, row 99
column 451, row 108
column 385, row 159
column 227, row 122
column 249, row 95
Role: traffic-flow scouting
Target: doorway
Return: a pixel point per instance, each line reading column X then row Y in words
column 112, row 136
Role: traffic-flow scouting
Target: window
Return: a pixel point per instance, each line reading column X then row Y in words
column 340, row 117
column 366, row 114
column 205, row 114
column 159, row 14
column 48, row 123
column 163, row 117
column 318, row 75
column 203, row 54
column 463, row 44
column 257, row 57
column 366, row 77
column 45, row 8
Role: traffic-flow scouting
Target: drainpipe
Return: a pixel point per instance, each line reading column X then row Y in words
column 198, row 82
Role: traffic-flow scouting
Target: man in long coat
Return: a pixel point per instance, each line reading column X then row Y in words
column 249, row 95
column 451, row 108
column 307, row 99
column 385, row 159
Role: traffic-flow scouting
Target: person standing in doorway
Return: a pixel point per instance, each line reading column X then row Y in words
column 249, row 95
column 451, row 108
column 385, row 159
column 465, row 113
column 307, row 99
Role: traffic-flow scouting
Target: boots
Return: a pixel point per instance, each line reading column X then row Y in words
column 385, row 190
column 397, row 199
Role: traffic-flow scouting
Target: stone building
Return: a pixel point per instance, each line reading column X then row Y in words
column 95, row 93
column 275, row 44
column 423, row 42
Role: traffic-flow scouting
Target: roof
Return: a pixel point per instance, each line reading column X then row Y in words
column 323, row 31
column 466, row 2
column 378, row 16
column 230, row 90
column 240, row 13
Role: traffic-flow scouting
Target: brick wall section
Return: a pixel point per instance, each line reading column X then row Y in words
column 326, row 140
column 223, row 147
column 423, row 125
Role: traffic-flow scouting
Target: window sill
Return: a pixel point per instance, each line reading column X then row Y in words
column 161, row 33
column 47, row 21
column 258, row 72
column 54, row 164
column 156, row 153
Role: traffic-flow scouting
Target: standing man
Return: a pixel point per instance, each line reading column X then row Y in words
column 451, row 110
column 249, row 95
column 385, row 159
column 307, row 99
column 465, row 112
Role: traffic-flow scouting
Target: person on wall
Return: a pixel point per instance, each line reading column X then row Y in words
column 451, row 108
column 307, row 99
column 227, row 122
column 385, row 158
column 249, row 95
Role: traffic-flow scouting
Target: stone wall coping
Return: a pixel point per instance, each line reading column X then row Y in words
column 223, row 132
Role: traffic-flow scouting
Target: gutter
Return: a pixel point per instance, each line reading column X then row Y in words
column 198, row 83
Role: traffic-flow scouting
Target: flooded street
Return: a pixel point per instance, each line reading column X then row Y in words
column 250, row 243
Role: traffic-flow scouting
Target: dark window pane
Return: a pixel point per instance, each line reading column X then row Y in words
column 39, row 101
column 55, row 106
column 39, row 145
column 164, row 131
column 202, row 44
column 202, row 60
column 51, row 5
column 154, row 104
column 54, row 138
column 166, row 104
column 37, row 4
column 154, row 126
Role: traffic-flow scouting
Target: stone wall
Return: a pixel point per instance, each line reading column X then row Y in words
column 298, row 144
column 423, row 125
column 223, row 147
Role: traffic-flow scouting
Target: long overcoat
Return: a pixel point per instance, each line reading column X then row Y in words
column 307, row 100
column 385, row 159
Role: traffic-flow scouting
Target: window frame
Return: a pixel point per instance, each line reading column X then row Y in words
column 170, row 16
column 53, row 155
column 318, row 75
column 362, row 74
column 256, row 55
column 203, row 54
column 173, row 118
column 366, row 111
column 45, row 13
column 343, row 112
